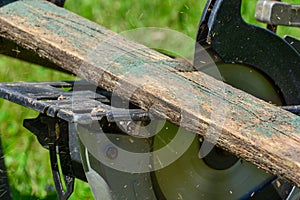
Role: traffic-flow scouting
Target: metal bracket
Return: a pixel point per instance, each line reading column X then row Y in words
column 54, row 138
column 278, row 13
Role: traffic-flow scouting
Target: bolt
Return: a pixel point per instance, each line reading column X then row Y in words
column 111, row 152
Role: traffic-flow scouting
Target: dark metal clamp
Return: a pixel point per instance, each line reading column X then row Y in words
column 51, row 134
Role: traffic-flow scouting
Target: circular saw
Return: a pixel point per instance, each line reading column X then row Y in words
column 250, row 58
column 256, row 61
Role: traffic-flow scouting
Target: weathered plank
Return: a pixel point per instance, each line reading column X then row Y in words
column 13, row 50
column 246, row 126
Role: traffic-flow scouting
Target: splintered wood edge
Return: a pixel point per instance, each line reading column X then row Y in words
column 236, row 121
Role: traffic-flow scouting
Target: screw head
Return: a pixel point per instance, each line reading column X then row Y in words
column 111, row 152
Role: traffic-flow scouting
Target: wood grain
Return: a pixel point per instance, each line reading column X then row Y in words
column 11, row 49
column 238, row 122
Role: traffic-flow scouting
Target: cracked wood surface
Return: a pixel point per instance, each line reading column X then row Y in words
column 238, row 122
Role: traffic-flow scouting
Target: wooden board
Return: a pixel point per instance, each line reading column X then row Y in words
column 240, row 123
column 11, row 49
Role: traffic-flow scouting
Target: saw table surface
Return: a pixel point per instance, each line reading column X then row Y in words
column 57, row 99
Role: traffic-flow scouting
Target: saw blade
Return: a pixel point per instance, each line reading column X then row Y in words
column 190, row 177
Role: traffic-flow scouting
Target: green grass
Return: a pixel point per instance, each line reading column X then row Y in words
column 27, row 162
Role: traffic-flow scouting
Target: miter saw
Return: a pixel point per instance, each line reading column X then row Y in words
column 253, row 59
column 250, row 58
column 270, row 72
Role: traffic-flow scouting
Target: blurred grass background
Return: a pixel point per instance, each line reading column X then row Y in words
column 27, row 162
